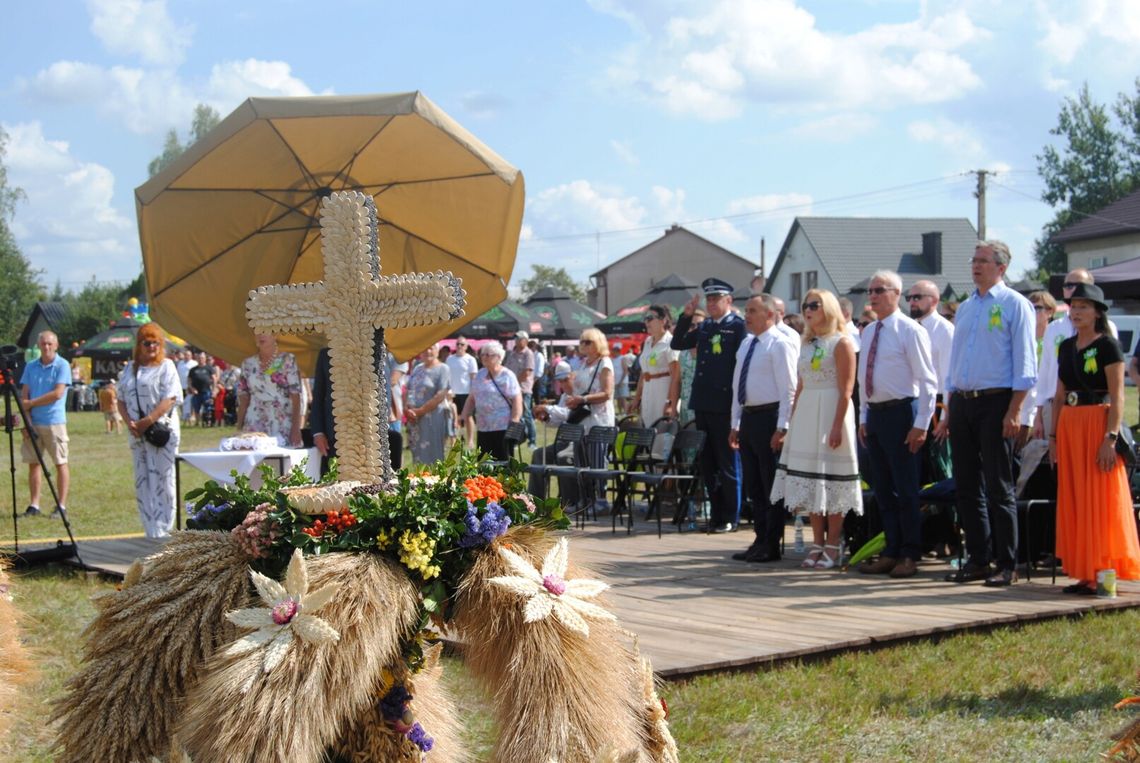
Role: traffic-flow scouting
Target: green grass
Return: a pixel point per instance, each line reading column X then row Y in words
column 1042, row 693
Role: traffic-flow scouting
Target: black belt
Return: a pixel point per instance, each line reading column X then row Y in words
column 1086, row 397
column 890, row 403
column 762, row 408
column 970, row 394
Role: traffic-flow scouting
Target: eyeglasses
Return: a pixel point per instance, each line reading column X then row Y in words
column 1072, row 284
column 812, row 306
column 876, row 290
column 981, row 261
column 1042, row 309
column 586, row 341
column 916, row 297
column 150, row 343
column 652, row 317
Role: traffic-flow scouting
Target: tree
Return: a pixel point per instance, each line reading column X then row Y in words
column 205, row 119
column 1095, row 166
column 20, row 286
column 546, row 275
column 91, row 310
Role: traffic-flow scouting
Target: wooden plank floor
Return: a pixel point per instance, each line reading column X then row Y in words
column 695, row 610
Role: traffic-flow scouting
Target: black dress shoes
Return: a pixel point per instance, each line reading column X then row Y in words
column 760, row 556
column 742, row 556
column 1001, row 579
column 969, row 573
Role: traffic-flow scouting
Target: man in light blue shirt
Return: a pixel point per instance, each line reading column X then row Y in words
column 43, row 394
column 992, row 368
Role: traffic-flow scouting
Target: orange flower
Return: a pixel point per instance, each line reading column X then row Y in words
column 484, row 487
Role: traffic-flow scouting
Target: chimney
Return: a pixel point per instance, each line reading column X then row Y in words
column 932, row 251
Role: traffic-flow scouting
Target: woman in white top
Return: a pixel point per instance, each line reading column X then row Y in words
column 659, row 385
column 594, row 381
column 149, row 392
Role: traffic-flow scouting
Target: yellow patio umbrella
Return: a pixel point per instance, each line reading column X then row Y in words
column 239, row 209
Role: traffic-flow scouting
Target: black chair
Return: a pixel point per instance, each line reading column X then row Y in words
column 597, row 449
column 679, row 467
column 685, row 466
column 631, row 454
column 568, row 436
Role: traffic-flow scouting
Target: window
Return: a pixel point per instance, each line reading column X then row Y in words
column 1097, row 262
column 797, row 287
column 812, row 280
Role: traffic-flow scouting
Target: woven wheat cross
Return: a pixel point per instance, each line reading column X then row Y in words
column 352, row 306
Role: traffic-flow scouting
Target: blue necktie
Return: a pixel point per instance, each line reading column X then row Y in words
column 742, row 385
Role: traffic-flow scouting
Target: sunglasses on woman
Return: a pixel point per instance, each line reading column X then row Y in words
column 150, row 343
column 812, row 306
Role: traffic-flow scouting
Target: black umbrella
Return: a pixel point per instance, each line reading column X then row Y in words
column 567, row 317
column 109, row 348
column 503, row 320
column 672, row 291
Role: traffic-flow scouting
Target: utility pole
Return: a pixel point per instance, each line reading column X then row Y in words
column 980, row 194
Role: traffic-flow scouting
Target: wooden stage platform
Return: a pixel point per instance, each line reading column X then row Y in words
column 695, row 610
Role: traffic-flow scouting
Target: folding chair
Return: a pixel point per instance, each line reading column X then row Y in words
column 680, row 466
column 598, row 448
column 631, row 454
column 685, row 466
column 567, row 436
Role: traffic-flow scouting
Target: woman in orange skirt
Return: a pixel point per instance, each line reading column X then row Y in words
column 1095, row 526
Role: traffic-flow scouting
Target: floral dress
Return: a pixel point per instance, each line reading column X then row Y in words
column 270, row 410
column 812, row 477
column 428, row 434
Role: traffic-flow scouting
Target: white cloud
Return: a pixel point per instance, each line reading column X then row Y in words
column 1070, row 26
column 624, row 151
column 960, row 140
column 581, row 207
column 140, row 28
column 710, row 63
column 773, row 212
column 67, row 225
column 153, row 101
column 837, row 128
column 670, row 202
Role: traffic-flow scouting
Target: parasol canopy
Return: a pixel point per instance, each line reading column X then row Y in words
column 239, row 209
column 672, row 291
column 568, row 317
column 503, row 320
column 111, row 347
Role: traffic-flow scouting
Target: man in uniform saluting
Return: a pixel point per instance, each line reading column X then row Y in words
column 717, row 339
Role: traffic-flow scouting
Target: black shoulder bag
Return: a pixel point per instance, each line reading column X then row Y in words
column 1125, row 444
column 158, row 433
column 583, row 411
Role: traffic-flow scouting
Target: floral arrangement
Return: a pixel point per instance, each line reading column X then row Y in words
column 432, row 523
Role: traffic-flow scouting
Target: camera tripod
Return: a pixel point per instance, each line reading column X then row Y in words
column 60, row 550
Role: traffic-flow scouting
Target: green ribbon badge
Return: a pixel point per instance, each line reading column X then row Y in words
column 1040, row 344
column 653, row 359
column 716, row 348
column 1057, row 345
column 817, row 357
column 1090, row 360
column 995, row 318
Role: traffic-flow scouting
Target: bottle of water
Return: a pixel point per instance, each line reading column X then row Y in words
column 799, row 534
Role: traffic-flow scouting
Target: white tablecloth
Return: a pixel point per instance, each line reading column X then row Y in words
column 218, row 464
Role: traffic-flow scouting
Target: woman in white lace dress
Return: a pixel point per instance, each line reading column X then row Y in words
column 818, row 472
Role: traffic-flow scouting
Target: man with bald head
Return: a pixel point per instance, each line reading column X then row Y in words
column 922, row 303
column 1055, row 333
column 789, row 333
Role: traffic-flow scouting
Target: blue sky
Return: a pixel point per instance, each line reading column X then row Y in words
column 625, row 116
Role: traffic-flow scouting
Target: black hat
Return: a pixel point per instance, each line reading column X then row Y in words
column 715, row 287
column 1089, row 292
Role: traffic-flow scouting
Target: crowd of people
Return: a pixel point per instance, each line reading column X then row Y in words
column 802, row 413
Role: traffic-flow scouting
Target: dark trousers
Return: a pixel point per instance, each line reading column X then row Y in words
column 758, row 469
column 983, row 478
column 718, row 466
column 494, row 444
column 528, row 418
column 895, row 470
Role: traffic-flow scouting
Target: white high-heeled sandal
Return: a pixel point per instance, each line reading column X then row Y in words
column 809, row 562
column 826, row 561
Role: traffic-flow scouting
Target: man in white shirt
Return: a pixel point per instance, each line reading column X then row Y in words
column 848, row 309
column 463, row 368
column 897, row 379
column 923, row 300
column 763, row 384
column 1055, row 333
column 185, row 363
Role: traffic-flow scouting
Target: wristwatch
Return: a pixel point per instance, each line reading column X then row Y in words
column 781, row 430
column 1112, row 436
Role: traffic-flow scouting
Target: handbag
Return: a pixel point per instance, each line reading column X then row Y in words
column 1124, row 443
column 583, row 411
column 158, row 433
